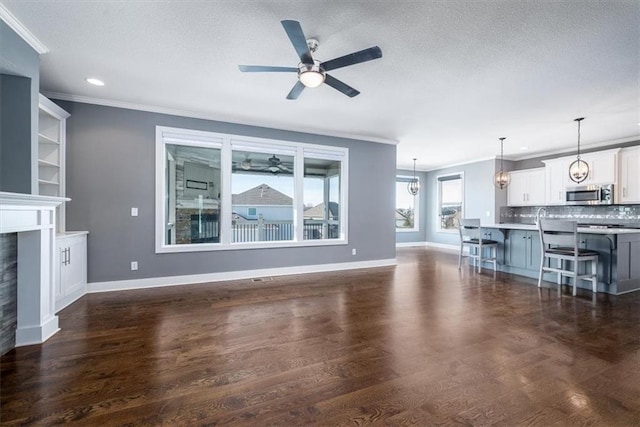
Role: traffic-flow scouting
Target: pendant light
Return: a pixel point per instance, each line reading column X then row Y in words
column 413, row 187
column 579, row 169
column 501, row 179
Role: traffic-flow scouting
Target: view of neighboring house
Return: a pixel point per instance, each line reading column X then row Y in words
column 263, row 200
column 262, row 213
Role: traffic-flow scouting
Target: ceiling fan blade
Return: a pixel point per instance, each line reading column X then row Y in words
column 299, row 41
column 353, row 58
column 341, row 87
column 265, row 68
column 296, row 90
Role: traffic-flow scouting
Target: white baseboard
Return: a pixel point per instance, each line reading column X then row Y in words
column 410, row 244
column 154, row 282
column 64, row 302
column 28, row 335
column 443, row 246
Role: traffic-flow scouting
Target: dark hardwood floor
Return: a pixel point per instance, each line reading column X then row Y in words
column 420, row 343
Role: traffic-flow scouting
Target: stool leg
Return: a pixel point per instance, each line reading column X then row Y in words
column 479, row 259
column 460, row 256
column 594, row 271
column 541, row 271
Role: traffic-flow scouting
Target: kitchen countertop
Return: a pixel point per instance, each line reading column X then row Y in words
column 584, row 230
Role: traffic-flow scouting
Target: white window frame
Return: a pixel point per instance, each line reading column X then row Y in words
column 227, row 143
column 416, row 205
column 439, row 180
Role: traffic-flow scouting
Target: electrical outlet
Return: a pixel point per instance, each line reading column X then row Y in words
column 134, row 211
column 353, row 251
column 134, row 265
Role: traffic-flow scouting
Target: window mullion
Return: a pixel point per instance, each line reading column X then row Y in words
column 298, row 196
column 225, row 196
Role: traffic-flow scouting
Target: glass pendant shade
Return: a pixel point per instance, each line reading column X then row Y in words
column 501, row 179
column 578, row 171
column 413, row 187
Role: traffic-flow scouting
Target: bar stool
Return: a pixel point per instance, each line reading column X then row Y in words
column 559, row 241
column 471, row 237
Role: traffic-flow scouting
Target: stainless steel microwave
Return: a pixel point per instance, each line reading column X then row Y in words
column 590, row 195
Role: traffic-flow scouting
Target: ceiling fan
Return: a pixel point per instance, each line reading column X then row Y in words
column 273, row 164
column 311, row 72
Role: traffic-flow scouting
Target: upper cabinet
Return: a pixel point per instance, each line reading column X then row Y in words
column 603, row 167
column 527, row 188
column 51, row 153
column 629, row 183
column 556, row 181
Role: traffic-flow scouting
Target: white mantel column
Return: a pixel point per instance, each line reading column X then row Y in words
column 33, row 218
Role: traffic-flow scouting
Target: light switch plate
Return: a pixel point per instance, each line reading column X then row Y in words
column 134, row 211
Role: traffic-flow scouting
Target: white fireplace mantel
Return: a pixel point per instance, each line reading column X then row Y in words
column 33, row 218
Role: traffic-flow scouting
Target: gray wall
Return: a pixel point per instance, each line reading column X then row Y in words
column 110, row 168
column 421, row 234
column 18, row 148
column 480, row 197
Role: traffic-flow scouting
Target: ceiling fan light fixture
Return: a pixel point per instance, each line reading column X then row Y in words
column 311, row 75
column 246, row 164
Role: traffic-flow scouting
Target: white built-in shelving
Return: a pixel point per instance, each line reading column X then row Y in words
column 51, row 154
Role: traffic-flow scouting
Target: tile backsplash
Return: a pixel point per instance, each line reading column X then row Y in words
column 616, row 214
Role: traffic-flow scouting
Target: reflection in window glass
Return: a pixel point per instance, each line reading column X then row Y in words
column 321, row 199
column 406, row 206
column 192, row 198
column 262, row 197
column 451, row 201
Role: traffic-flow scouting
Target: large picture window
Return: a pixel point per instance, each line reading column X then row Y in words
column 217, row 191
column 450, row 201
column 407, row 212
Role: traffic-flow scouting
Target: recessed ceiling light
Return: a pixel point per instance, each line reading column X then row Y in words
column 94, row 81
column 524, row 148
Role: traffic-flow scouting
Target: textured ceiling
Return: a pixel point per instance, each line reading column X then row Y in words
column 454, row 76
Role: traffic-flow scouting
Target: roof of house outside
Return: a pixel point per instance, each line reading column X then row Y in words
column 261, row 195
column 317, row 211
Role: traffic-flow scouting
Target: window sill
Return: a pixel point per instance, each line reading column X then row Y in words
column 407, row 230
column 213, row 247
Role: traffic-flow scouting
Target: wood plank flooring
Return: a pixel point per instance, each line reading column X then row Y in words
column 417, row 344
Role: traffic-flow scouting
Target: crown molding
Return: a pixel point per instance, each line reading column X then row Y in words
column 22, row 31
column 196, row 115
column 584, row 148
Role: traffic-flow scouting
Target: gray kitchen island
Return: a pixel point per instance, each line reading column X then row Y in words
column 519, row 252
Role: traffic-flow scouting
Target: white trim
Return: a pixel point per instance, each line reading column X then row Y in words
column 206, row 116
column 454, row 165
column 155, row 282
column 29, row 335
column 582, row 149
column 443, row 246
column 226, row 143
column 439, row 201
column 20, row 29
column 410, row 244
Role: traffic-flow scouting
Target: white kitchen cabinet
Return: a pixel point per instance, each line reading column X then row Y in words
column 629, row 183
column 527, row 187
column 603, row 167
column 51, row 154
column 556, row 181
column 71, row 265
